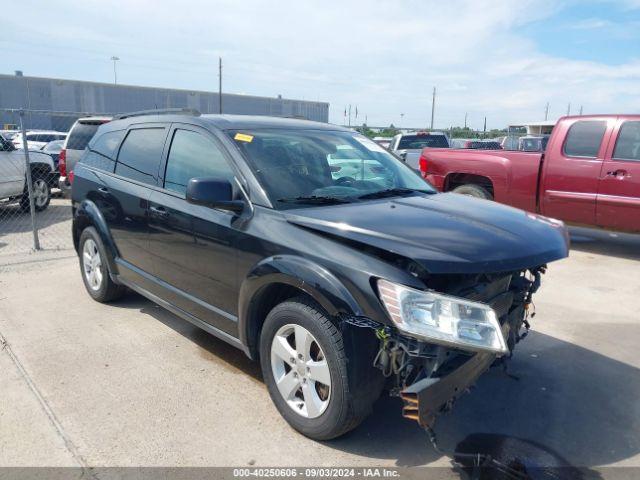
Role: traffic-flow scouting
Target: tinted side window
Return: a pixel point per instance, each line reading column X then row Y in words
column 193, row 155
column 103, row 150
column 628, row 144
column 140, row 154
column 584, row 139
column 80, row 135
column 107, row 144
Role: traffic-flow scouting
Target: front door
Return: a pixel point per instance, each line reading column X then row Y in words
column 618, row 203
column 192, row 245
column 12, row 170
column 571, row 170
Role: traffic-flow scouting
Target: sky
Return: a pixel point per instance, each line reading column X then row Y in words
column 503, row 59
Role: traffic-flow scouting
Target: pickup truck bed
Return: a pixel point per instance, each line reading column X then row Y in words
column 476, row 165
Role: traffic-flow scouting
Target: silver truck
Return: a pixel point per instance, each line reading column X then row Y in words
column 79, row 136
column 13, row 178
column 408, row 146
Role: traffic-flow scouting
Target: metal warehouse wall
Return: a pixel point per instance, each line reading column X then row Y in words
column 35, row 93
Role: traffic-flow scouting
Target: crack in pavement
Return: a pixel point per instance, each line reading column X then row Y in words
column 48, row 411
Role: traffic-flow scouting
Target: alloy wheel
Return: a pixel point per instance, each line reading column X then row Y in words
column 300, row 371
column 92, row 263
column 40, row 194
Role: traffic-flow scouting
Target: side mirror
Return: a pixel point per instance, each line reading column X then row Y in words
column 214, row 193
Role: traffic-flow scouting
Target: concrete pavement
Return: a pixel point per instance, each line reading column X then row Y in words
column 130, row 384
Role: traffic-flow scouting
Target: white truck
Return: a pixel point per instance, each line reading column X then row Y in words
column 408, row 146
column 13, row 178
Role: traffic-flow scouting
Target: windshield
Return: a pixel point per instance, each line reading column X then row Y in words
column 307, row 167
column 414, row 142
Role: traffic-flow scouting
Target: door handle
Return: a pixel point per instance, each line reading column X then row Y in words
column 159, row 211
column 617, row 173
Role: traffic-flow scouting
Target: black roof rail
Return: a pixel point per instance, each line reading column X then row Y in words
column 162, row 111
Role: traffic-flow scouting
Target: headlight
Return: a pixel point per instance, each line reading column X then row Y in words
column 443, row 319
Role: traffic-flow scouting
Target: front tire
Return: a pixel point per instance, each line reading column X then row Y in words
column 305, row 368
column 94, row 268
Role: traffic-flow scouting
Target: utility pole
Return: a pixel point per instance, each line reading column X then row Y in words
column 546, row 112
column 465, row 120
column 114, row 59
column 433, row 106
column 220, row 84
column 580, row 110
column 485, row 125
column 349, row 114
column 569, row 109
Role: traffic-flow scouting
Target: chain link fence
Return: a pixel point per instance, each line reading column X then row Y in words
column 34, row 213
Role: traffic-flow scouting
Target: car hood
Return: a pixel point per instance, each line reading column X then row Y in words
column 445, row 233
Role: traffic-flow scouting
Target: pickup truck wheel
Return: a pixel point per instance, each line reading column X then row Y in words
column 94, row 268
column 41, row 194
column 306, row 371
column 473, row 190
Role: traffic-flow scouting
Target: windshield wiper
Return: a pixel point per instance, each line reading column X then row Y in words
column 390, row 192
column 315, row 200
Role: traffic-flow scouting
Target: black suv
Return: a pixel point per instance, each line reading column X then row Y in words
column 314, row 250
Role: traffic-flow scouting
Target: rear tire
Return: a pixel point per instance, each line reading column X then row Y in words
column 94, row 268
column 473, row 190
column 342, row 407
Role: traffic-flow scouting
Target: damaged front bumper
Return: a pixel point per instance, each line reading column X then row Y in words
column 425, row 399
column 428, row 397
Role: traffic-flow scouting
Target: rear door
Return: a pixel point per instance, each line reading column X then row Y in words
column 572, row 168
column 192, row 245
column 618, row 203
column 124, row 197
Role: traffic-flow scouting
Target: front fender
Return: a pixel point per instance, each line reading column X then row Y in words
column 88, row 214
column 313, row 279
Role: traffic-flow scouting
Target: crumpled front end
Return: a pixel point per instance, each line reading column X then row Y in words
column 430, row 376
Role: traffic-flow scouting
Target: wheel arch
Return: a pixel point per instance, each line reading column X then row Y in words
column 453, row 180
column 276, row 279
column 86, row 215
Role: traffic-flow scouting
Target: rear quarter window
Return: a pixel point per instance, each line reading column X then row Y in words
column 140, row 153
column 584, row 139
column 103, row 150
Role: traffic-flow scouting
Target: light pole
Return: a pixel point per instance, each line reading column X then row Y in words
column 114, row 59
column 433, row 106
column 220, row 85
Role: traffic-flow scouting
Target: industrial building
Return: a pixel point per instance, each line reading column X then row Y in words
column 55, row 103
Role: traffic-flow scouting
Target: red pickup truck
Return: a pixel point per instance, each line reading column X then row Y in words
column 589, row 173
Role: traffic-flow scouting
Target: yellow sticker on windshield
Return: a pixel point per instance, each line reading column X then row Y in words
column 243, row 137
